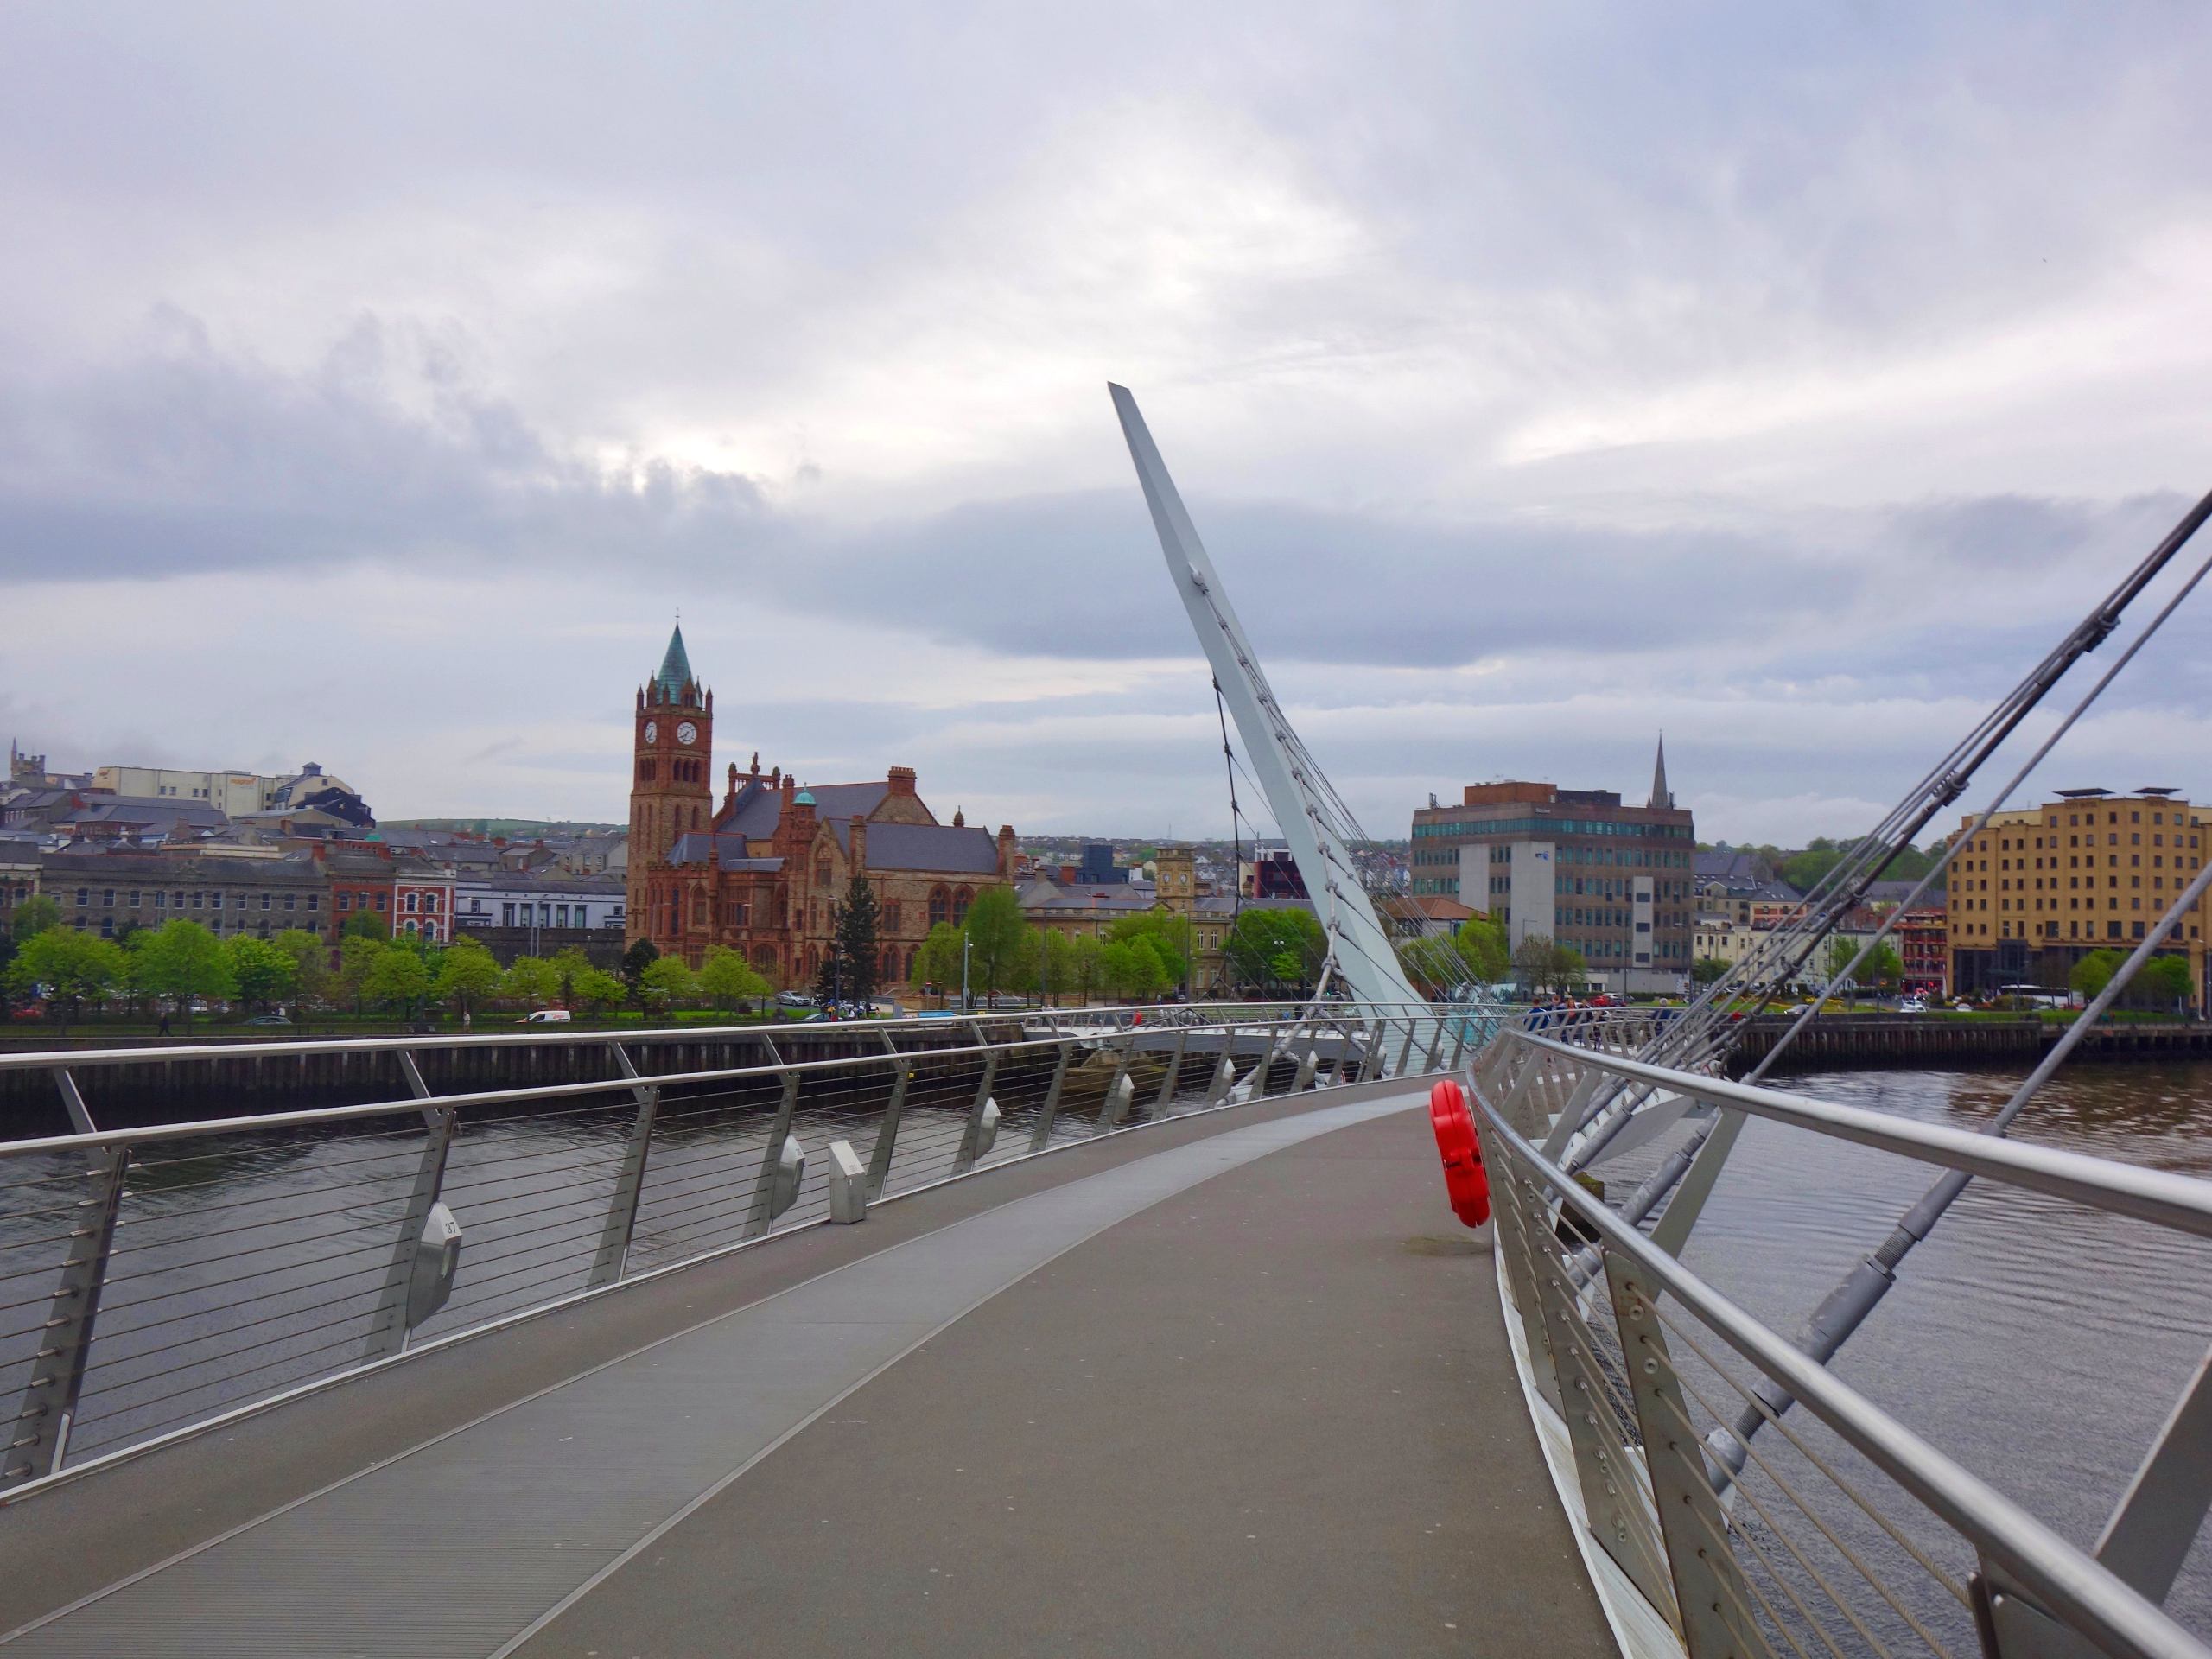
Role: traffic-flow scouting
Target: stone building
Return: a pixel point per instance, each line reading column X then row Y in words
column 763, row 870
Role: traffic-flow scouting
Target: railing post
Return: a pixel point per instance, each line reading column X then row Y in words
column 1613, row 1491
column 761, row 1214
column 1458, row 1042
column 1512, row 1209
column 971, row 1133
column 886, row 1136
column 1713, row 1610
column 1041, row 1137
column 1174, row 1071
column 40, row 1439
column 388, row 1324
column 607, row 1265
column 1406, row 1050
column 1109, row 1112
column 1370, row 1059
column 1436, row 1048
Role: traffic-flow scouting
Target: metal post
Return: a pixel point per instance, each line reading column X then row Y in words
column 1712, row 1609
column 388, row 1324
column 964, row 1159
column 1041, row 1137
column 1436, row 1048
column 761, row 1213
column 2150, row 1533
column 1405, row 1050
column 1371, row 1058
column 1613, row 1493
column 72, row 1100
column 40, row 1439
column 1121, row 1076
column 1174, row 1071
column 621, row 1224
column 886, row 1136
column 1458, row 1042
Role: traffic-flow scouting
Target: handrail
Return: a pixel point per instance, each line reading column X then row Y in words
column 2182, row 1202
column 2071, row 1583
column 624, row 1083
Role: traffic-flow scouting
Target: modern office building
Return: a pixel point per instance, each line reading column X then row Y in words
column 1614, row 882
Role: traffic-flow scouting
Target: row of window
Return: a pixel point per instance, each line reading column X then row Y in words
column 1600, row 828
column 2075, row 930
column 163, row 899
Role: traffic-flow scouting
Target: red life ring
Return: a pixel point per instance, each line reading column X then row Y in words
column 1467, row 1183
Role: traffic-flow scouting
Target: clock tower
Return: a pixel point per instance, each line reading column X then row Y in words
column 671, row 791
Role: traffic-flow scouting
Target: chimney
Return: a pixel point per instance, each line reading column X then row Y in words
column 901, row 779
column 1005, row 851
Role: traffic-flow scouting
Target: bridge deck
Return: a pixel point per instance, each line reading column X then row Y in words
column 1233, row 1385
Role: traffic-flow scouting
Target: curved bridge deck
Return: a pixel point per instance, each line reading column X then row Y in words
column 1239, row 1385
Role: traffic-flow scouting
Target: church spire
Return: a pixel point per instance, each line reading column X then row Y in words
column 1660, row 797
column 675, row 667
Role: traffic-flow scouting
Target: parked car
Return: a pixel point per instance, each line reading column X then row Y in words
column 1913, row 1005
column 547, row 1017
column 793, row 1000
column 269, row 1019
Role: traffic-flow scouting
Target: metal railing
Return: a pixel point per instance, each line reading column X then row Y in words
column 1838, row 1531
column 155, row 1280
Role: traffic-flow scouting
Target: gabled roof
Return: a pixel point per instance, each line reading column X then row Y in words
column 726, row 850
column 759, row 807
column 937, row 847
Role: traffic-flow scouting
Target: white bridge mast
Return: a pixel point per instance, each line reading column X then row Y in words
column 1305, row 807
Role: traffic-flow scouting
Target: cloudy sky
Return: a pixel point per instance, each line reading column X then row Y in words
column 376, row 385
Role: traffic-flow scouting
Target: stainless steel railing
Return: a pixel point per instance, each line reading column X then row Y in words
column 1838, row 1530
column 155, row 1280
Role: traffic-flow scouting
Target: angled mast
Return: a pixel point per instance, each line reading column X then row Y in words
column 1307, row 810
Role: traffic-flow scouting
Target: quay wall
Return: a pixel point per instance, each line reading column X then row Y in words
column 1836, row 1043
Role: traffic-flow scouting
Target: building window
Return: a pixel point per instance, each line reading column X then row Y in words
column 107, row 897
column 291, row 901
column 506, row 915
column 940, row 906
column 265, row 899
column 383, row 903
column 161, row 900
column 891, row 917
column 314, row 901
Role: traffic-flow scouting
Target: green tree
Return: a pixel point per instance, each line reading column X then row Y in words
column 362, row 924
column 1056, row 966
column 1705, row 969
column 532, row 980
column 74, row 968
column 999, row 938
column 1276, row 949
column 830, row 978
column 34, row 917
column 399, row 977
column 2163, row 979
column 568, row 962
column 262, row 973
column 1883, row 967
column 937, row 961
column 1170, row 935
column 599, row 990
column 639, row 958
column 669, row 980
column 311, row 956
column 468, row 974
column 1542, row 963
column 1087, row 974
column 182, row 961
column 1132, row 968
column 726, row 979
column 859, row 921
column 1482, row 947
column 356, row 953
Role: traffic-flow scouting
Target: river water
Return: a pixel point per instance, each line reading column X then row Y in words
column 2040, row 1344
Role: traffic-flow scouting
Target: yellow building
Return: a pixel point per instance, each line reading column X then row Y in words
column 2036, row 890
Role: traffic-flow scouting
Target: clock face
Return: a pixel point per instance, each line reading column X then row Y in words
column 687, row 733
column 652, row 731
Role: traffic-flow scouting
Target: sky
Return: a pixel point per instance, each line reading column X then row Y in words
column 377, row 386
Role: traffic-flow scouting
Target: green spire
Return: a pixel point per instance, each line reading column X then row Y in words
column 676, row 666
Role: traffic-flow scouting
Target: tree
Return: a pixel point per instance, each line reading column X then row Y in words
column 468, row 974
column 1132, row 967
column 73, row 968
column 398, row 977
column 182, row 961
column 998, row 937
column 34, row 917
column 311, row 956
column 599, row 990
column 1087, row 972
column 1482, row 947
column 859, row 921
column 639, row 958
column 1056, row 965
column 1541, row 963
column 1276, row 949
column 1883, row 966
column 726, row 979
column 667, row 980
column 362, row 924
column 1705, row 969
column 830, row 979
column 2162, row 979
column 532, row 980
column 260, row 973
column 937, row 961
column 1170, row 936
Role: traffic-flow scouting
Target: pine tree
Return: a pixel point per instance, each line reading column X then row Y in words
column 858, row 948
column 831, row 983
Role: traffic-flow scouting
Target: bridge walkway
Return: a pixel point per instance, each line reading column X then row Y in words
column 1233, row 1385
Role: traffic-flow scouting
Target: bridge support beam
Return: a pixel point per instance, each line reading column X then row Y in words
column 761, row 1213
column 1041, row 1137
column 972, row 1142
column 40, row 1438
column 613, row 1254
column 388, row 1324
column 1174, row 1071
column 886, row 1134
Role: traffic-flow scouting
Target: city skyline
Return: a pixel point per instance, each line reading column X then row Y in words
column 1788, row 384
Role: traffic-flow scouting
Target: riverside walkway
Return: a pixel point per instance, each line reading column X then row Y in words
column 1238, row 1384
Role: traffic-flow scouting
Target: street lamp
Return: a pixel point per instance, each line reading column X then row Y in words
column 966, row 945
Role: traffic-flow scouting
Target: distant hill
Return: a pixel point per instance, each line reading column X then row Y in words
column 511, row 829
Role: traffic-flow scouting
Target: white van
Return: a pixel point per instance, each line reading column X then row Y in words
column 548, row 1017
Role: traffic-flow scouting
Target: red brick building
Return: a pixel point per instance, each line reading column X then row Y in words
column 762, row 870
